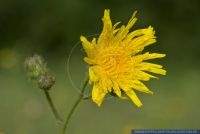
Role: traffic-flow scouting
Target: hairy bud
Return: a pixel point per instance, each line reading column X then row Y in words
column 46, row 81
column 37, row 70
column 35, row 66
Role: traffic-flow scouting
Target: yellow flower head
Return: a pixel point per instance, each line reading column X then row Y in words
column 117, row 64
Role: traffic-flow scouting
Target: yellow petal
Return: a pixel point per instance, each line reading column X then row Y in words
column 89, row 60
column 140, row 87
column 154, row 68
column 134, row 97
column 114, row 28
column 87, row 46
column 94, row 42
column 93, row 74
column 148, row 56
column 131, row 21
column 157, row 71
column 146, row 64
column 123, row 31
column 138, row 43
column 116, row 89
column 140, row 75
column 116, row 24
column 154, row 56
column 105, row 83
column 107, row 29
column 98, row 94
column 136, row 33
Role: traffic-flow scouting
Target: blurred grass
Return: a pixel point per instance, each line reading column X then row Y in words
column 52, row 28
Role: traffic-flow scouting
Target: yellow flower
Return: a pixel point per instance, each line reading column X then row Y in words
column 116, row 62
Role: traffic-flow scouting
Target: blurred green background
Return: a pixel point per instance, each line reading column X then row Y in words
column 52, row 28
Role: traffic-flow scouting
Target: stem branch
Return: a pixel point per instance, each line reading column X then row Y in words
column 74, row 106
column 48, row 97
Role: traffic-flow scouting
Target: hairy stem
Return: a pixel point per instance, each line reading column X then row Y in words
column 74, row 106
column 48, row 97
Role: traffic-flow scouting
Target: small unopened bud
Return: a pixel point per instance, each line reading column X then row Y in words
column 37, row 70
column 35, row 66
column 46, row 81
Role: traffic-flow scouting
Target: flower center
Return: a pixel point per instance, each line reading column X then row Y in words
column 112, row 61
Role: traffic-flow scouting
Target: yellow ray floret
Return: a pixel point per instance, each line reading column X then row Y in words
column 116, row 62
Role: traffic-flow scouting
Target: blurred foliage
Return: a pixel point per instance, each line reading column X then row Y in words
column 52, row 28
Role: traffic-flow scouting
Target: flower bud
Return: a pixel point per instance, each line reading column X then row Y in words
column 35, row 66
column 46, row 81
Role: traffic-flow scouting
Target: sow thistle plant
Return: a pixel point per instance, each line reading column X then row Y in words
column 117, row 65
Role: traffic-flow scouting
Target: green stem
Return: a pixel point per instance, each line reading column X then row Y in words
column 74, row 106
column 48, row 97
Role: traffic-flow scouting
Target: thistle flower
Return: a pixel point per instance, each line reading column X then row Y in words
column 116, row 62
